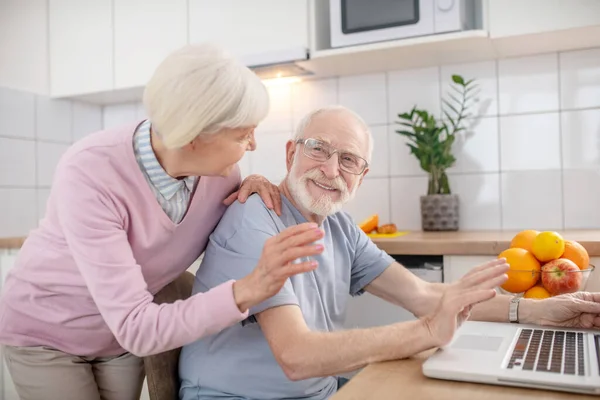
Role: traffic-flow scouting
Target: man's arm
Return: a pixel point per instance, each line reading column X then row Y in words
column 303, row 353
column 401, row 287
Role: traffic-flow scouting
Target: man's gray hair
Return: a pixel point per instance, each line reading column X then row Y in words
column 307, row 119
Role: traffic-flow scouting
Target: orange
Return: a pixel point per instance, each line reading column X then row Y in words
column 548, row 246
column 524, row 239
column 537, row 292
column 575, row 252
column 524, row 271
column 369, row 224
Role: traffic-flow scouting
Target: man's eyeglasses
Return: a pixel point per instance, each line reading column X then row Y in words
column 321, row 151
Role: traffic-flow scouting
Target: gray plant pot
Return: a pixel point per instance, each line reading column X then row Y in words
column 439, row 212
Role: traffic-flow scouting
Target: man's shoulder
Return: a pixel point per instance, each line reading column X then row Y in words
column 252, row 214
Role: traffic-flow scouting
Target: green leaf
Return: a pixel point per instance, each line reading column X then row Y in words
column 458, row 79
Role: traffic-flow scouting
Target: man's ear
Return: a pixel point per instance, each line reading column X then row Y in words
column 290, row 150
column 363, row 177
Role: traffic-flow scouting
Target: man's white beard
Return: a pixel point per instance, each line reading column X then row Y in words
column 324, row 205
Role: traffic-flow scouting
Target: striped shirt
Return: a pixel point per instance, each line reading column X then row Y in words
column 172, row 194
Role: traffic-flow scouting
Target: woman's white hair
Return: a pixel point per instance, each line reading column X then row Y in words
column 307, row 119
column 200, row 89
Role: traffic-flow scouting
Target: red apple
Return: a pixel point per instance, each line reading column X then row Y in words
column 561, row 276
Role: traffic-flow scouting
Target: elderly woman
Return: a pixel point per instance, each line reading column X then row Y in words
column 130, row 210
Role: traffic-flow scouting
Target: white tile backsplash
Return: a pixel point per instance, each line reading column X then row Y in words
column 312, row 94
column 19, row 211
column 280, row 110
column 477, row 147
column 366, row 95
column 54, row 120
column 119, row 114
column 380, row 162
column 479, row 194
column 528, row 84
column 487, row 84
column 416, row 87
column 581, row 139
column 405, row 203
column 582, row 199
column 580, row 79
column 34, row 132
column 48, row 155
column 17, row 162
column 372, row 197
column 269, row 157
column 530, row 142
column 532, row 200
column 17, row 113
column 402, row 162
column 87, row 118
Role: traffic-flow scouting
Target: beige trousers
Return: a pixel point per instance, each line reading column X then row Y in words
column 42, row 373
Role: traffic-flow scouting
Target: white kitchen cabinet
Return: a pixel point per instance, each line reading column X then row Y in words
column 250, row 27
column 81, row 46
column 7, row 389
column 455, row 267
column 144, row 33
column 519, row 17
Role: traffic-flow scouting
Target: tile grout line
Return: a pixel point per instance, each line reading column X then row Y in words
column 499, row 141
column 560, row 143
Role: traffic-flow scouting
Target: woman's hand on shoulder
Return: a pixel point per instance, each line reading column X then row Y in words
column 268, row 192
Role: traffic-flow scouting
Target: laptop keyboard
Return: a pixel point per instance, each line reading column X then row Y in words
column 556, row 351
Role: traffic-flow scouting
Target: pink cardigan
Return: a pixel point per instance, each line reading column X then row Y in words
column 84, row 280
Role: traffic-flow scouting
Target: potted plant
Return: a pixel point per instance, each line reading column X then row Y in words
column 430, row 140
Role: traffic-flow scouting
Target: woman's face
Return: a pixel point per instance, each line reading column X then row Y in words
column 222, row 150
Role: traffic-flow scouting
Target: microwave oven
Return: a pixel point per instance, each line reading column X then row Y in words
column 354, row 22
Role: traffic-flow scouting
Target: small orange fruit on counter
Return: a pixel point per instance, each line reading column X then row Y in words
column 575, row 252
column 524, row 271
column 369, row 224
column 524, row 239
column 537, row 292
column 548, row 246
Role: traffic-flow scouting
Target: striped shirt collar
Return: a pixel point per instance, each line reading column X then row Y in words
column 163, row 182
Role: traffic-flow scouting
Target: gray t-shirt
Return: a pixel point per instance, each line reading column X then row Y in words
column 237, row 363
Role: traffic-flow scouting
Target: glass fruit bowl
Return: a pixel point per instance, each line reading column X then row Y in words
column 555, row 278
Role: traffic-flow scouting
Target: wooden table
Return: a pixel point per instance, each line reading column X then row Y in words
column 403, row 379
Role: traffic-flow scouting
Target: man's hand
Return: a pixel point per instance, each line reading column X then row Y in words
column 268, row 192
column 458, row 298
column 574, row 310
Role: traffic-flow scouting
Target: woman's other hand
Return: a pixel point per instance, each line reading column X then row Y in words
column 268, row 192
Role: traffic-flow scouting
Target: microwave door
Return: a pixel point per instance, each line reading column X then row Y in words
column 366, row 21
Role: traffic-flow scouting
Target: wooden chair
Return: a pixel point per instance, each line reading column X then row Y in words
column 162, row 370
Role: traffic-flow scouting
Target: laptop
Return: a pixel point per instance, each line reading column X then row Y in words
column 562, row 359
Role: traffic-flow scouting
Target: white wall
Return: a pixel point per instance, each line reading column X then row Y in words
column 24, row 58
column 34, row 132
column 531, row 161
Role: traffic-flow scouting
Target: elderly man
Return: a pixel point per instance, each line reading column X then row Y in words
column 292, row 345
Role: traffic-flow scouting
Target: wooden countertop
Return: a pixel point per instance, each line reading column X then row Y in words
column 473, row 242
column 404, row 379
column 441, row 243
column 11, row 243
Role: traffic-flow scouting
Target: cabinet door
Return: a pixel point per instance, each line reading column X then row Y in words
column 455, row 267
column 250, row 27
column 7, row 389
column 81, row 37
column 145, row 32
column 518, row 17
column 593, row 282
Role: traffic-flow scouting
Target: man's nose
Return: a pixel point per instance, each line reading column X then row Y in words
column 331, row 167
